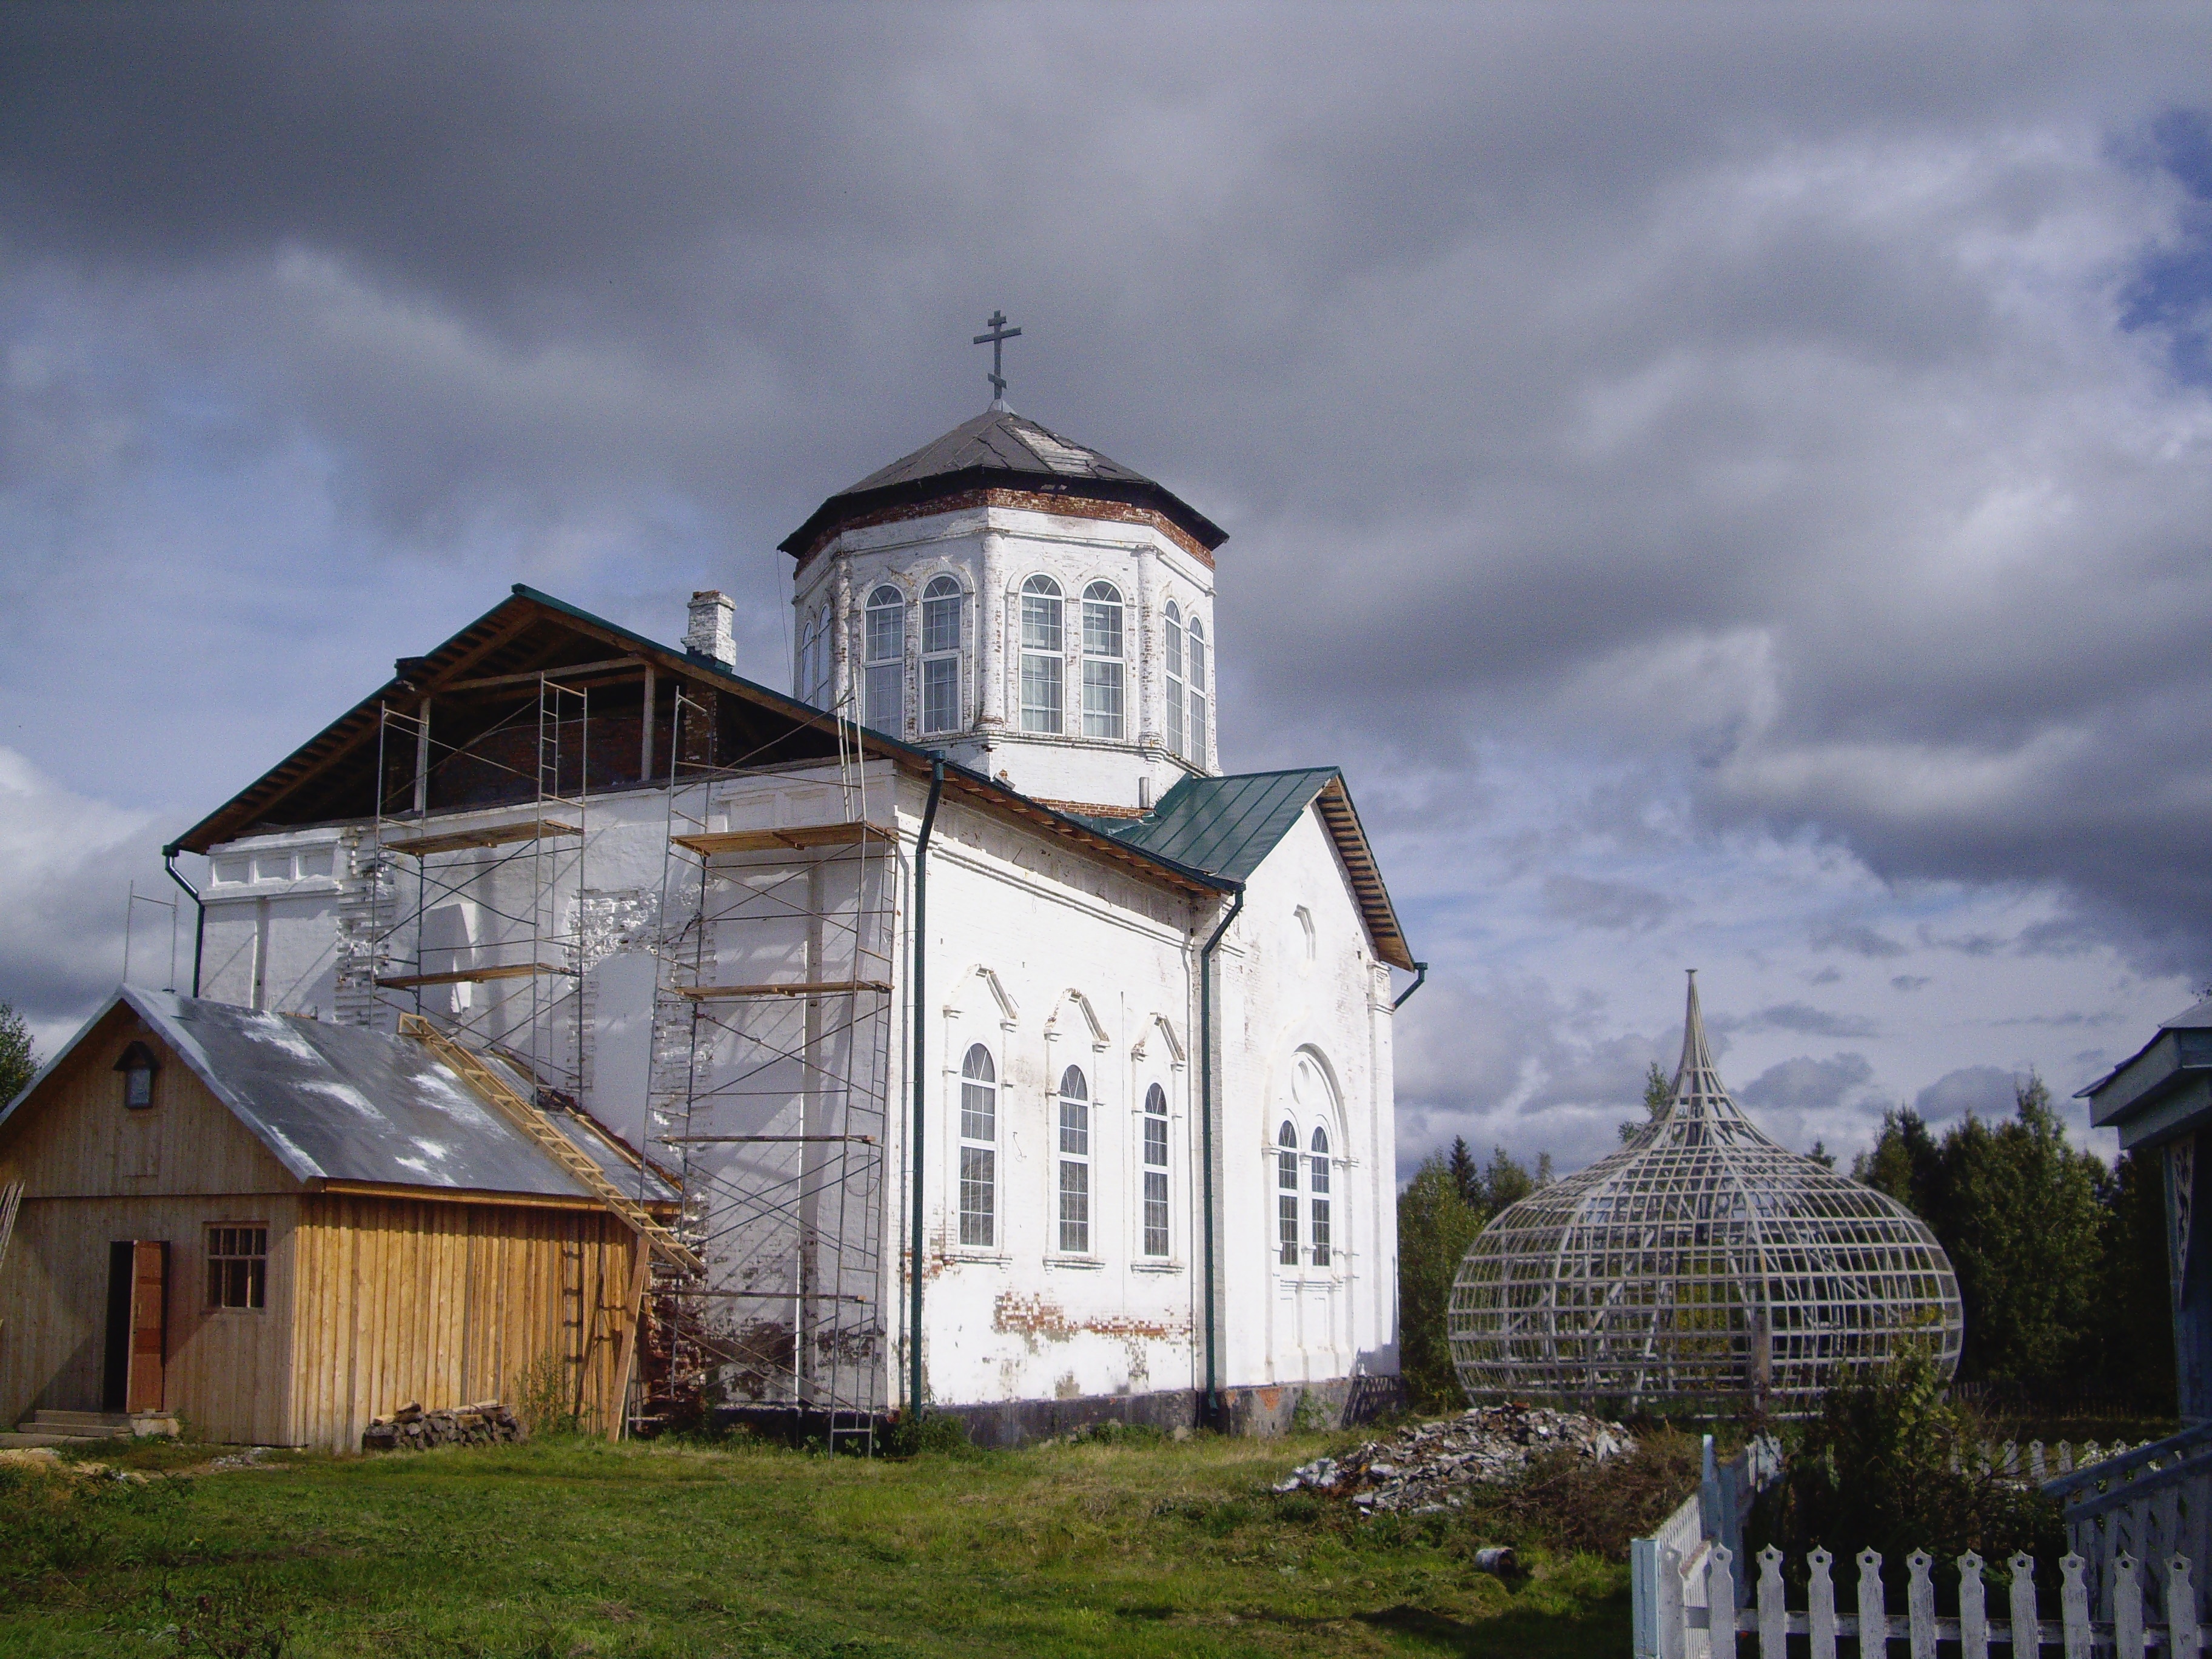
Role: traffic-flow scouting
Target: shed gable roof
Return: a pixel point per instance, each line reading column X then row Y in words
column 340, row 1103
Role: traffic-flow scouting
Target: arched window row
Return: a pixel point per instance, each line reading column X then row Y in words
column 1187, row 697
column 1073, row 1150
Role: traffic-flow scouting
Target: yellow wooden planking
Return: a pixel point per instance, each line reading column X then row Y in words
column 791, row 838
column 827, row 988
column 502, row 835
column 473, row 975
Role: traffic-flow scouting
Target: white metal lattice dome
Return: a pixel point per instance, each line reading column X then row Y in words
column 1701, row 1264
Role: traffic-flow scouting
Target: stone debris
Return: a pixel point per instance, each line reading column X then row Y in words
column 1422, row 1469
column 412, row 1429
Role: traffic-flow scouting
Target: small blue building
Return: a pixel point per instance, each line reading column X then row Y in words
column 2160, row 1102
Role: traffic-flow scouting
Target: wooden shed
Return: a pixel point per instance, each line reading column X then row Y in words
column 279, row 1229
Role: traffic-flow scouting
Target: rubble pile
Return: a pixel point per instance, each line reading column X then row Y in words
column 1423, row 1468
column 412, row 1429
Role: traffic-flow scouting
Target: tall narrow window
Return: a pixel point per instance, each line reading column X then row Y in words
column 1156, row 1171
column 940, row 655
column 138, row 1065
column 1101, row 661
column 1194, row 665
column 979, row 1148
column 1074, row 1163
column 1318, row 1185
column 1174, row 678
column 825, row 663
column 1286, row 1195
column 802, row 666
column 1042, row 659
column 886, row 660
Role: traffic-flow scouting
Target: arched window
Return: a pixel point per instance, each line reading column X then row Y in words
column 1101, row 661
column 1074, row 1163
column 886, row 660
column 1286, row 1195
column 802, row 665
column 1318, row 1185
column 979, row 1148
column 1174, row 678
column 1156, row 1171
column 1304, row 918
column 1043, row 663
column 940, row 655
column 1195, row 665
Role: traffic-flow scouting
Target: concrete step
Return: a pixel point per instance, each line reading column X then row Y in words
column 99, row 1426
column 28, row 1442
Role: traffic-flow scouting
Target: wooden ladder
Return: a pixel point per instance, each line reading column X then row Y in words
column 501, row 1095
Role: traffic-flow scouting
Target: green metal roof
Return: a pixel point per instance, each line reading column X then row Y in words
column 1227, row 826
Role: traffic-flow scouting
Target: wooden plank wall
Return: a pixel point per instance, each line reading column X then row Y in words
column 448, row 1303
column 94, row 1172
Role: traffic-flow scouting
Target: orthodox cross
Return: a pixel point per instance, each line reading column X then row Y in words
column 996, row 339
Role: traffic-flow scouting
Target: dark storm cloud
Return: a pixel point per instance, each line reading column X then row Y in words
column 1806, row 1085
column 1793, row 407
column 1988, row 1091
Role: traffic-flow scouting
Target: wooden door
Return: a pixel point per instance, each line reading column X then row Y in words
column 150, row 1325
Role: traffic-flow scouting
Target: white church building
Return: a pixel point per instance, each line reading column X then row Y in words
column 960, row 992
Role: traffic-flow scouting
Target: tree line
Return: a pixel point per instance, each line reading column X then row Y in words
column 2061, row 1261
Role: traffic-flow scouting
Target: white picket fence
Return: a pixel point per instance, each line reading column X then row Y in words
column 1695, row 1608
column 2038, row 1462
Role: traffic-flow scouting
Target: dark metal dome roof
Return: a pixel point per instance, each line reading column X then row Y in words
column 1003, row 450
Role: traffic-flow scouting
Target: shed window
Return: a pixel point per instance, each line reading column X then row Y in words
column 1101, row 661
column 1286, row 1195
column 1042, row 665
column 940, row 656
column 237, row 1266
column 1074, row 1163
column 137, row 1067
column 979, row 1148
column 1156, row 1171
column 886, row 660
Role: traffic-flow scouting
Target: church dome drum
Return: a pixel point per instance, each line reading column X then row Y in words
column 1700, row 1264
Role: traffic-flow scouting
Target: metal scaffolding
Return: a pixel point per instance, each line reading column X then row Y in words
column 1700, row 1264
column 773, row 1038
column 481, row 930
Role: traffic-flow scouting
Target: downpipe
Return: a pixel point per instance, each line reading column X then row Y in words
column 921, row 1086
column 1212, row 1407
column 199, row 907
column 1420, row 978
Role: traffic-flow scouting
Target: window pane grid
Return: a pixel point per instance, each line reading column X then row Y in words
column 940, row 694
column 1102, row 699
column 979, row 1163
column 1156, row 1213
column 237, row 1266
column 978, row 1195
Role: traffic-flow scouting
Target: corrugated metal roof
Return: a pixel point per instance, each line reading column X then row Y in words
column 1227, row 826
column 336, row 1102
column 1001, row 447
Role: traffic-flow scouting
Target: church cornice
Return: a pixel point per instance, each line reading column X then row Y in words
column 814, row 536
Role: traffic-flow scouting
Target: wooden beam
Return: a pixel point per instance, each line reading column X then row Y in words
column 792, row 838
column 499, row 835
column 473, row 975
column 626, row 1356
column 832, row 988
column 487, row 682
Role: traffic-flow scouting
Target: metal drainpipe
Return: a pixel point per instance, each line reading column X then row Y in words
column 199, row 904
column 920, row 1085
column 1420, row 978
column 1205, row 1140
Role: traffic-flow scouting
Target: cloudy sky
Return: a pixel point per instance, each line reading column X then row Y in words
column 1729, row 483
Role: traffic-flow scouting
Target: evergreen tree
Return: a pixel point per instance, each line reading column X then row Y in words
column 1465, row 1173
column 1436, row 1225
column 18, row 1065
column 2134, row 1322
column 1658, row 1091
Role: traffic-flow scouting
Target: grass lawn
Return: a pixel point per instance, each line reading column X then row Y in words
column 574, row 1549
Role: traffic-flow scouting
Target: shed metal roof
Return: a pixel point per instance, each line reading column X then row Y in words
column 340, row 1104
column 1227, row 826
column 1001, row 447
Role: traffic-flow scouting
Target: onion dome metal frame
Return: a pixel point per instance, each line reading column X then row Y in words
column 1700, row 1266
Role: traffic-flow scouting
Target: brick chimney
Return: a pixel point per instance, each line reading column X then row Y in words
column 710, row 633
